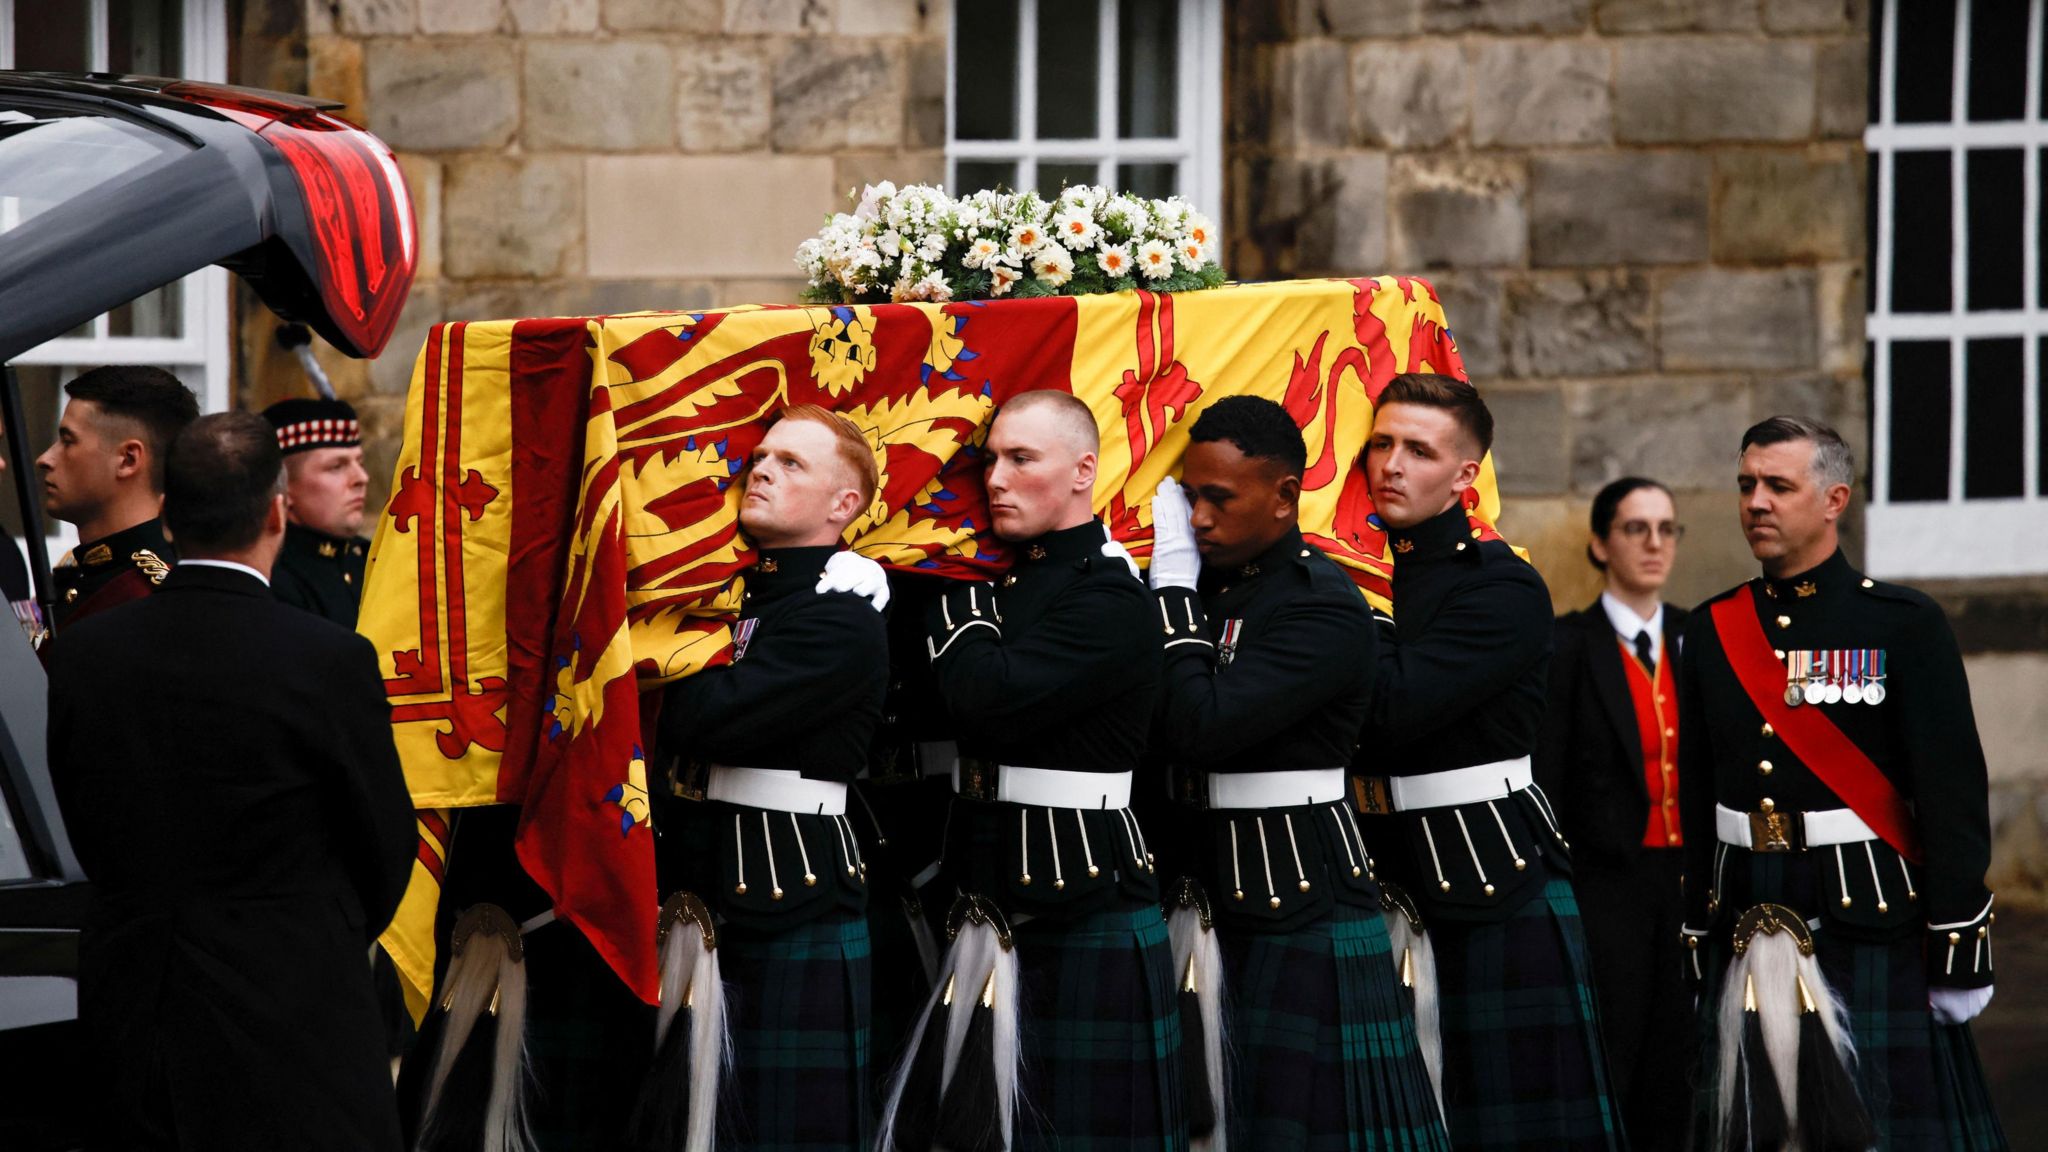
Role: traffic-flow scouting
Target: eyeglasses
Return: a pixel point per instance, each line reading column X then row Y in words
column 1637, row 529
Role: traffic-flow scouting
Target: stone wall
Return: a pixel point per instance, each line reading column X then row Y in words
column 586, row 156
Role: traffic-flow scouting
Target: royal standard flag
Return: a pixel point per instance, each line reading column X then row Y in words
column 563, row 537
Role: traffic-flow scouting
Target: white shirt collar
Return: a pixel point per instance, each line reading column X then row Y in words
column 229, row 565
column 1627, row 624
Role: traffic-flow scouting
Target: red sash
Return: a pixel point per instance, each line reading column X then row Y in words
column 1833, row 757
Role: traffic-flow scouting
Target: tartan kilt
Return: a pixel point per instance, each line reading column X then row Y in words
column 797, row 1006
column 1321, row 1042
column 1922, row 1082
column 1524, row 1067
column 1099, row 1029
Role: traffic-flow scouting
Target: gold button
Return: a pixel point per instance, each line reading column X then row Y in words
column 348, row 577
column 70, row 595
column 1671, row 838
column 1869, row 583
column 1846, row 901
column 1671, row 801
column 1763, row 767
column 1489, row 887
column 1692, row 942
column 1660, row 697
column 1883, row 907
column 1784, row 621
column 1982, row 931
column 1444, row 885
column 1780, row 652
column 1769, row 731
column 1767, row 806
column 1670, row 733
column 1274, row 902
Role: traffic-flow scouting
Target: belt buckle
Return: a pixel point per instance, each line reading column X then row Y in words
column 687, row 780
column 1373, row 795
column 1771, row 832
column 1191, row 787
column 976, row 778
column 896, row 764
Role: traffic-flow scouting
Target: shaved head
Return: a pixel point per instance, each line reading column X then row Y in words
column 1068, row 417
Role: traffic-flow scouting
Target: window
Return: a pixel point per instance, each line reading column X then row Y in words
column 182, row 326
column 1126, row 93
column 1957, row 326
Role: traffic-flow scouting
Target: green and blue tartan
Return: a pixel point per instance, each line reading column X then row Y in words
column 1921, row 1081
column 1523, row 1063
column 1099, row 1026
column 797, row 1007
column 1322, row 1051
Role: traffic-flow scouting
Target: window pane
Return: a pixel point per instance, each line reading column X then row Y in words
column 143, row 37
column 1995, row 186
column 49, row 158
column 1998, row 61
column 1920, row 421
column 1148, row 31
column 1925, row 77
column 1874, row 85
column 977, row 175
column 1154, row 181
column 985, row 70
column 1994, row 421
column 1069, row 62
column 54, row 40
column 41, row 399
column 1056, row 174
column 158, row 314
column 1921, row 239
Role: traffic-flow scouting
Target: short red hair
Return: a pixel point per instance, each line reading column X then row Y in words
column 853, row 447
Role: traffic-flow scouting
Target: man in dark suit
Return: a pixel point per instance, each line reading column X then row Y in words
column 225, row 766
column 1609, row 757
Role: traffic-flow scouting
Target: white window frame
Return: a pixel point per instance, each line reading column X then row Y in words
column 200, row 357
column 1959, row 536
column 1198, row 147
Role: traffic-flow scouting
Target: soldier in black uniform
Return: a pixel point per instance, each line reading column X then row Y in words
column 1833, row 772
column 1270, row 653
column 105, row 476
column 1444, row 776
column 761, row 753
column 1051, row 676
column 321, row 568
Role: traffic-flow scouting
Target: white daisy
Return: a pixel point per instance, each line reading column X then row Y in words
column 1076, row 228
column 1054, row 265
column 1002, row 277
column 1115, row 259
column 1155, row 259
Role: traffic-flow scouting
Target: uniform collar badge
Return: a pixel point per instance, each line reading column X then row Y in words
column 1404, row 546
column 1035, row 552
column 97, row 554
column 768, row 566
column 152, row 565
column 328, row 549
column 1806, row 588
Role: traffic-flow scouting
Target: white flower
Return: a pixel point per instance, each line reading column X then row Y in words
column 1054, row 265
column 1115, row 259
column 1155, row 259
column 1002, row 278
column 1076, row 228
column 1196, row 227
column 1027, row 236
column 980, row 253
column 934, row 286
column 1193, row 254
column 932, row 247
column 871, row 199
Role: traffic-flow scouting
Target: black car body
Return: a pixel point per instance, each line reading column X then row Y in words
column 111, row 187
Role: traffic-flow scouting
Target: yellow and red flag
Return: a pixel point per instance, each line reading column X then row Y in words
column 563, row 536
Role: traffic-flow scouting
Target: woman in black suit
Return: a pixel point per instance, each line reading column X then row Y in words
column 1608, row 758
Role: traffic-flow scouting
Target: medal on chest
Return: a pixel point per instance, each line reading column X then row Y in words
column 1226, row 646
column 742, row 635
column 1835, row 676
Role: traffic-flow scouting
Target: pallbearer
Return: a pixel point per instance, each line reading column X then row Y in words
column 1836, row 836
column 1051, row 676
column 1270, row 654
column 763, row 937
column 1454, row 817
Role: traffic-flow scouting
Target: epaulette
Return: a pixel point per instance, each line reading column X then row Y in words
column 1894, row 592
column 150, row 564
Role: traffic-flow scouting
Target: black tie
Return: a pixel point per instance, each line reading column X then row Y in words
column 1644, row 653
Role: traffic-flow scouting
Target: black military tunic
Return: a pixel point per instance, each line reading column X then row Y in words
column 115, row 569
column 1887, row 928
column 1463, row 683
column 321, row 573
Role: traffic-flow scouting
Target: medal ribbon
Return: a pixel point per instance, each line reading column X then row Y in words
column 1831, row 756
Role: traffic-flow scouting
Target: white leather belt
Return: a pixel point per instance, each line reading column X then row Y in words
column 776, row 789
column 1474, row 785
column 1059, row 788
column 1288, row 789
column 937, row 757
column 1819, row 829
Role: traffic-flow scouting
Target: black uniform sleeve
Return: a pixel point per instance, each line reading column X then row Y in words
column 1554, row 742
column 821, row 658
column 67, row 686
column 1077, row 652
column 1945, row 762
column 1696, row 768
column 371, row 809
column 1480, row 642
column 1312, row 650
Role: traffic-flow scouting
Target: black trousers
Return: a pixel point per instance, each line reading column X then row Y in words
column 1632, row 915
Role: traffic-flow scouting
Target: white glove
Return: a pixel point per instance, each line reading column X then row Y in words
column 1957, row 1005
column 855, row 573
column 1175, row 563
column 1116, row 551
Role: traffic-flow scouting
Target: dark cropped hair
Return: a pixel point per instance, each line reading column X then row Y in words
column 1451, row 395
column 149, row 396
column 1608, row 502
column 1259, row 428
column 219, row 478
column 1833, row 463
